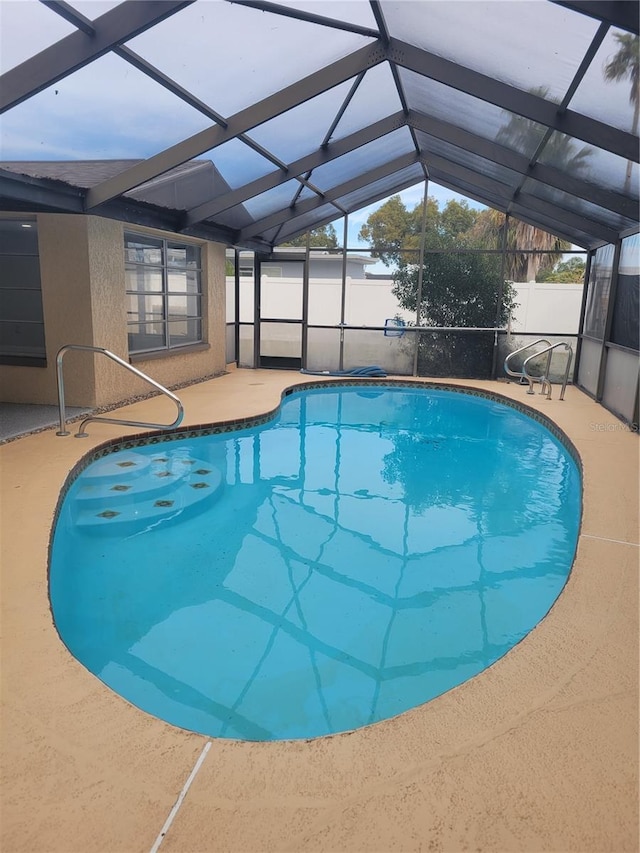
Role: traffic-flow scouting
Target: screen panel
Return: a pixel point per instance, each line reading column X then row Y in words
column 301, row 130
column 458, row 108
column 598, row 290
column 606, row 90
column 621, row 382
column 626, row 310
column 375, row 98
column 591, row 163
column 29, row 16
column 589, row 365
column 533, row 45
column 107, row 109
column 243, row 40
column 363, row 159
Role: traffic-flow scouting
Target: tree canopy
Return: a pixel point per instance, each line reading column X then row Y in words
column 324, row 237
column 393, row 232
column 459, row 288
column 393, row 229
column 569, row 272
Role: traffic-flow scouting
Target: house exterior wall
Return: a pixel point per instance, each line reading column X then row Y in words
column 82, row 272
column 66, row 303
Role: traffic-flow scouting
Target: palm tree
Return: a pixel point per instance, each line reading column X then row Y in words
column 526, row 236
column 625, row 63
column 488, row 232
column 560, row 151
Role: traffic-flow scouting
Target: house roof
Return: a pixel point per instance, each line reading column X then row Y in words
column 251, row 121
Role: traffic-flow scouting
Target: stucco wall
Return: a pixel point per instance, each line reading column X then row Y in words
column 84, row 302
column 66, row 303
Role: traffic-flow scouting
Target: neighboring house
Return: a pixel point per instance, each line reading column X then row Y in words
column 323, row 264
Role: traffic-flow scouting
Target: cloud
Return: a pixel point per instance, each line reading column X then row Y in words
column 106, row 109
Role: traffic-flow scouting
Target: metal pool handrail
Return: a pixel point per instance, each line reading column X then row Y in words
column 521, row 375
column 118, row 360
column 545, row 378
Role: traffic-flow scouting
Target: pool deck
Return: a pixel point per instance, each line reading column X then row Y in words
column 537, row 753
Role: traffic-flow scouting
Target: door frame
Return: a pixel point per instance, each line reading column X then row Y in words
column 279, row 258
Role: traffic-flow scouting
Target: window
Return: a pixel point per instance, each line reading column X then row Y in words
column 164, row 293
column 21, row 317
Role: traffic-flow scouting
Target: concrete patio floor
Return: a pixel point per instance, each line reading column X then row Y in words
column 537, row 753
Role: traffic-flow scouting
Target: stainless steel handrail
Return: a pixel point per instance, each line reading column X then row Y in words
column 118, row 360
column 511, row 355
column 546, row 382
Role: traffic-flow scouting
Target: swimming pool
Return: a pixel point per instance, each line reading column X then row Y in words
column 368, row 549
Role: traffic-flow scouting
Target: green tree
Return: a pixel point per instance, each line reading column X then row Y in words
column 521, row 265
column 568, row 272
column 459, row 288
column 625, row 64
column 324, row 237
column 456, row 219
column 393, row 230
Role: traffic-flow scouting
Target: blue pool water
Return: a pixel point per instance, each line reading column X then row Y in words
column 367, row 550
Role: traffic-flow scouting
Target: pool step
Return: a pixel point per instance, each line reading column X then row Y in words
column 136, row 491
column 113, row 468
column 134, row 476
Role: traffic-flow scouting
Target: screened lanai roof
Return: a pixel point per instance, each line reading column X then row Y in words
column 251, row 122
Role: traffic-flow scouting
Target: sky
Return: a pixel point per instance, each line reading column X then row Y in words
column 109, row 109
